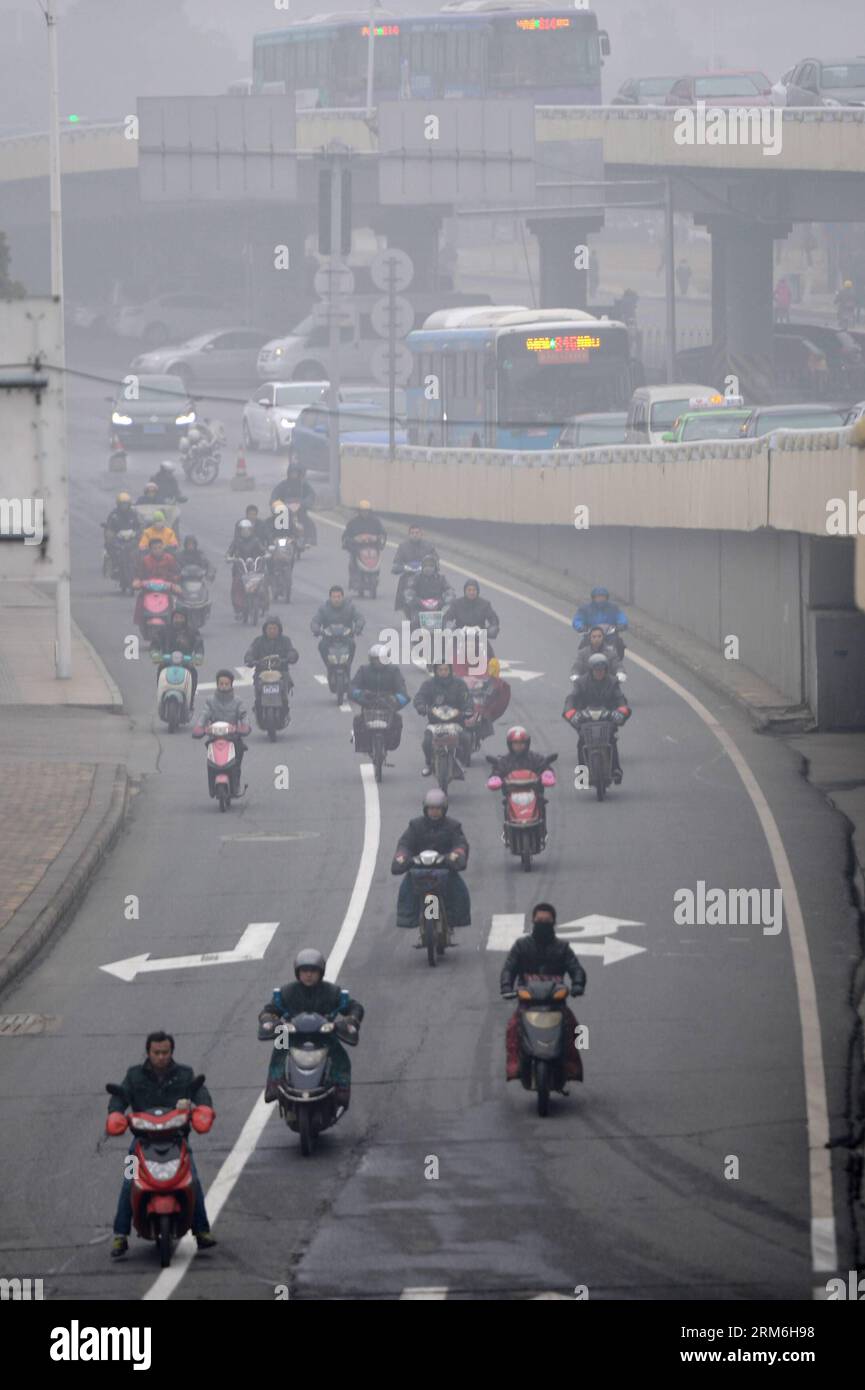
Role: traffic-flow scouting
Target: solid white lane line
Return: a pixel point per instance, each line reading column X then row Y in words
column 220, row 1191
column 416, row 1294
column 823, row 1235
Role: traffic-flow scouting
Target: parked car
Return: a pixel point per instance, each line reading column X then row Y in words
column 765, row 419
column 654, row 408
column 592, row 431
column 843, row 353
column 742, row 88
column 779, row 88
column 270, row 415
column 162, row 412
column 801, row 365
column 643, row 91
column 359, row 423
column 168, row 318
column 827, row 82
column 856, row 412
column 227, row 357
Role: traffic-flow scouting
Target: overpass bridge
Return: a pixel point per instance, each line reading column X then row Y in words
column 719, row 539
column 583, row 161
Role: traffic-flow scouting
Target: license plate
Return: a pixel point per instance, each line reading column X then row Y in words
column 154, row 429
column 376, row 723
column 270, row 689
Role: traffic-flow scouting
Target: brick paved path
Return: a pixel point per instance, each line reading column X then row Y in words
column 42, row 803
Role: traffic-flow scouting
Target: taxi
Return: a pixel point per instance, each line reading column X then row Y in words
column 709, row 418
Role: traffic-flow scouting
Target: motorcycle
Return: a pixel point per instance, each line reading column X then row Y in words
column 338, row 659
column 223, row 767
column 201, row 453
column 121, row 556
column 271, row 704
column 193, row 599
column 542, row 1038
column 307, row 1092
column 174, row 688
column 410, row 568
column 597, row 731
column 281, row 555
column 377, row 717
column 525, row 807
column 163, row 1188
column 256, row 589
column 158, row 606
column 430, row 874
column 426, row 614
column 364, row 564
column 446, row 733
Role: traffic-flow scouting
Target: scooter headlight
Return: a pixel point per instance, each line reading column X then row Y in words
column 165, row 1171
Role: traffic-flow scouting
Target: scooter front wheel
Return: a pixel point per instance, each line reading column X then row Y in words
column 223, row 796
column 429, row 936
column 304, row 1126
column 542, row 1084
column 163, row 1239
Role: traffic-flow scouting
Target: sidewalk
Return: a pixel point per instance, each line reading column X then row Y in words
column 63, row 750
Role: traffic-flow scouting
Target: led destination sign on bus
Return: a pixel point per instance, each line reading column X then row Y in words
column 381, row 31
column 543, row 23
column 572, row 347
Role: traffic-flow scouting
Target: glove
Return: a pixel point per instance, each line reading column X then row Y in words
column 494, row 783
column 577, row 990
column 618, row 716
column 570, row 715
column 493, row 632
column 548, row 777
column 402, row 701
column 115, row 1122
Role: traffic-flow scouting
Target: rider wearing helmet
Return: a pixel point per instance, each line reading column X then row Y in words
column 167, row 486
column 150, row 495
column 363, row 523
column 519, row 755
column 378, row 677
column 310, row 992
column 245, row 545
column 594, row 641
column 295, row 488
column 259, row 528
column 601, row 610
column 124, row 517
column 280, row 525
column 435, row 829
column 597, row 690
column 429, row 583
column 442, row 688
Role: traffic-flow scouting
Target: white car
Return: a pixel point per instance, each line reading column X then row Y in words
column 168, row 318
column 269, row 417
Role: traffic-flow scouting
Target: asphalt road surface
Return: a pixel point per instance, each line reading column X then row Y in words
column 695, row 1052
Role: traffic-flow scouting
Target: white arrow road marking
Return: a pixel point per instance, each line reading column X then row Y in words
column 507, row 926
column 507, row 669
column 251, row 946
column 240, row 680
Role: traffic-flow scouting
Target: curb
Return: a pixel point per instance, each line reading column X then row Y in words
column 68, row 895
column 115, row 703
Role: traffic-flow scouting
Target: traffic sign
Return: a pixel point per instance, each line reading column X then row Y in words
column 392, row 267
column 395, row 317
column 380, row 363
column 335, row 279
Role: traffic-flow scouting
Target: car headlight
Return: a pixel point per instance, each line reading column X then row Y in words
column 118, row 419
column 286, row 424
column 277, row 352
column 186, row 419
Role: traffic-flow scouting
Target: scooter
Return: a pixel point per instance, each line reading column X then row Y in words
column 597, row 732
column 200, row 453
column 307, row 1092
column 403, row 584
column 364, row 564
column 446, row 733
column 121, row 554
column 426, row 614
column 525, row 807
column 281, row 555
column 174, row 688
column 193, row 599
column 542, row 1038
column 163, row 1188
column 271, row 703
column 256, row 588
column 430, row 874
column 158, row 606
column 378, row 716
column 223, row 767
column 338, row 659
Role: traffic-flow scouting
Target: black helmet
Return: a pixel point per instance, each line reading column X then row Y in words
column 435, row 797
column 429, row 561
column 190, row 543
column 309, row 959
column 272, row 618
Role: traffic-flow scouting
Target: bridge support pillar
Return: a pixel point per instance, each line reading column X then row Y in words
column 563, row 281
column 742, row 303
column 415, row 231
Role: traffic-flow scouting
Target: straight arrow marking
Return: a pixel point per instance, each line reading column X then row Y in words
column 252, row 945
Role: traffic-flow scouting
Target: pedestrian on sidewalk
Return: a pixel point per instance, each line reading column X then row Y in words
column 783, row 298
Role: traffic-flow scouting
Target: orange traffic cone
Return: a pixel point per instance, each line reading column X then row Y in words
column 117, row 457
column 241, row 482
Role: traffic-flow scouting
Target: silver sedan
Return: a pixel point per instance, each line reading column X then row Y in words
column 269, row 416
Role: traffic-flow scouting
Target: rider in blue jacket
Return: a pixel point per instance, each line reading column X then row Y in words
column 601, row 611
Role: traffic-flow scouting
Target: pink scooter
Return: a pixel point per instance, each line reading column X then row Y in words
column 157, row 605
column 223, row 764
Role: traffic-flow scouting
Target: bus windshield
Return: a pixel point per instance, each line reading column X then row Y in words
column 545, row 380
column 522, row 55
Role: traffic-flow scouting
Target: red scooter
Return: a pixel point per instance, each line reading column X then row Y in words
column 364, row 563
column 163, row 1188
column 525, row 806
column 157, row 606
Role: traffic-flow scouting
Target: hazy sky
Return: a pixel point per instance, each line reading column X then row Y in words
column 114, row 50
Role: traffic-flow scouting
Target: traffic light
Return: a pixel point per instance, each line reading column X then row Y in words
column 324, row 211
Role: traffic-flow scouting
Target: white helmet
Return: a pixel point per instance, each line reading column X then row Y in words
column 377, row 653
column 167, row 465
column 194, row 435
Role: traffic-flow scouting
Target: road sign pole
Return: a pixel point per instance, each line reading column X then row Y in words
column 391, row 369
column 333, row 329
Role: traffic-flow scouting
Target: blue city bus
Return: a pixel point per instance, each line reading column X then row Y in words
column 511, row 378
column 472, row 48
